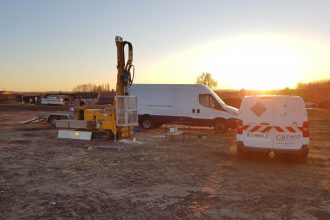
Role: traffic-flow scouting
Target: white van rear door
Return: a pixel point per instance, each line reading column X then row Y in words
column 289, row 115
column 257, row 116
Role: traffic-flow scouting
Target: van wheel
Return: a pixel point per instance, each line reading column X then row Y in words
column 147, row 123
column 220, row 127
column 240, row 153
column 52, row 119
column 302, row 158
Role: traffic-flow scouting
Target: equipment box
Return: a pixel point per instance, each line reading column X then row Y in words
column 74, row 124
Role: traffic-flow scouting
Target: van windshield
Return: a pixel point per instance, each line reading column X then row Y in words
column 217, row 98
column 209, row 101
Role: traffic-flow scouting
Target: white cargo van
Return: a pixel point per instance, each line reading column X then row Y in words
column 273, row 124
column 190, row 103
column 52, row 100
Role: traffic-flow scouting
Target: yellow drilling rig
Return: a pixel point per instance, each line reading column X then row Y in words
column 114, row 121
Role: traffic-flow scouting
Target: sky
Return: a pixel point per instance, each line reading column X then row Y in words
column 48, row 45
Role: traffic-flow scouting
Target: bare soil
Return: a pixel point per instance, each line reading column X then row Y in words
column 43, row 177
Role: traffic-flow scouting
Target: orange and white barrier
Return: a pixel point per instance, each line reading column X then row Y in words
column 268, row 128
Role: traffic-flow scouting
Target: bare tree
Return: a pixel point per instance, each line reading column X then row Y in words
column 206, row 79
column 92, row 88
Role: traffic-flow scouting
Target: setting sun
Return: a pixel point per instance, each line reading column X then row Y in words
column 251, row 61
column 260, row 64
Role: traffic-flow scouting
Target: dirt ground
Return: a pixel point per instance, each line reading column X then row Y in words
column 42, row 177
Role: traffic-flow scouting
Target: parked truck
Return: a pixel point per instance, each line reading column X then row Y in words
column 189, row 103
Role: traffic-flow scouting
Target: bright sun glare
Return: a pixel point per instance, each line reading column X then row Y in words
column 261, row 65
column 255, row 62
column 260, row 62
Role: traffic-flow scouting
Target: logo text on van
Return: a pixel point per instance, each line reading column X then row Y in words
column 287, row 137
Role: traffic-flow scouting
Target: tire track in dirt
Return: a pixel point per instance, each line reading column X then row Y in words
column 197, row 203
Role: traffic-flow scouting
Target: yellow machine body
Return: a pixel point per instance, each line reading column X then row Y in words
column 104, row 120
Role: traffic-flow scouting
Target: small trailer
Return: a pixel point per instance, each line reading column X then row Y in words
column 50, row 117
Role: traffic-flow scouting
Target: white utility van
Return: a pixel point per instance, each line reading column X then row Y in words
column 189, row 103
column 52, row 100
column 273, row 124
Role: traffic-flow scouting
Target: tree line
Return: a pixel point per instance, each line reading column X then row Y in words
column 315, row 92
column 88, row 87
column 322, row 84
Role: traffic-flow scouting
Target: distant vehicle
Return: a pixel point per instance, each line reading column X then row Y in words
column 190, row 103
column 273, row 124
column 52, row 100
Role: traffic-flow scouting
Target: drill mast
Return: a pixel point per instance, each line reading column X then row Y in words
column 124, row 77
